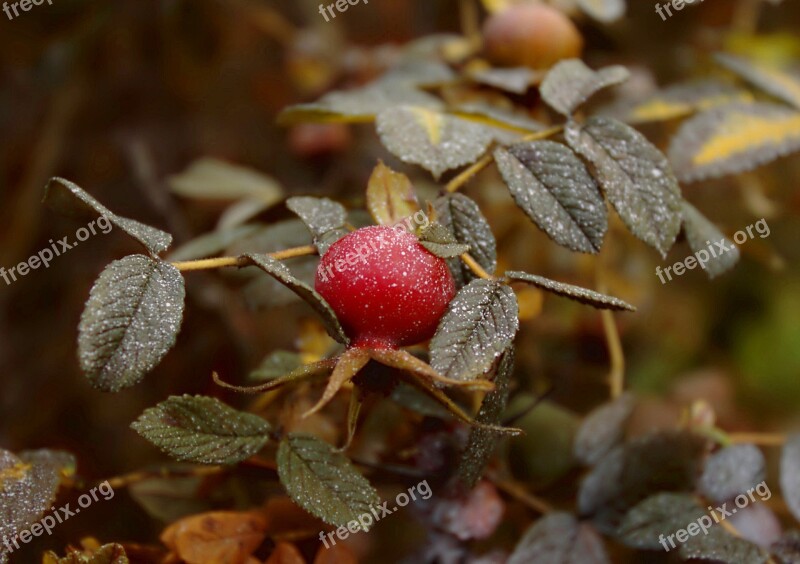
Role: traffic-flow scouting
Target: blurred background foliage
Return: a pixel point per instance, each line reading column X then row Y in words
column 119, row 95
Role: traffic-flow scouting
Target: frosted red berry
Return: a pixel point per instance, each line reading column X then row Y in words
column 386, row 289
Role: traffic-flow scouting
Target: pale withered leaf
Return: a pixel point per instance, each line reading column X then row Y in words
column 605, row 11
column 214, row 179
column 202, row 429
column 390, row 196
column 360, row 104
column 635, row 176
column 480, row 324
column 323, row 481
column 130, row 321
column 552, row 186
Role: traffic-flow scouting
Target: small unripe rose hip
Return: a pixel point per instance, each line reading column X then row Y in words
column 531, row 35
column 387, row 290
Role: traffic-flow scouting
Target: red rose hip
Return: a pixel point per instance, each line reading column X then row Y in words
column 387, row 290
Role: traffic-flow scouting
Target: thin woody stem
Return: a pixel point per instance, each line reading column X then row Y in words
column 222, row 262
column 476, row 268
column 467, row 174
column 762, row 439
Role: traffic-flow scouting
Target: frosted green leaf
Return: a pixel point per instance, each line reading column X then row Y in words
column 482, row 442
column 282, row 274
column 582, row 295
column 559, row 538
column 435, row 141
column 570, row 83
column 552, row 186
column 130, row 321
column 772, row 80
column 212, row 243
column 790, row 474
column 464, row 219
column 441, row 242
column 202, row 429
column 323, row 481
column 660, row 514
column 323, row 217
column 635, row 177
column 629, row 473
column 68, row 198
column 213, row 179
column 28, row 487
column 732, row 471
column 701, row 234
column 360, row 104
column 720, row 546
column 732, row 139
column 479, row 325
column 603, row 429
column 605, row 11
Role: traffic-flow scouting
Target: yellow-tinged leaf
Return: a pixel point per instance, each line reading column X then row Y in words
column 740, row 132
column 314, row 343
column 433, row 140
column 390, row 196
column 679, row 100
column 16, row 472
column 494, row 6
column 733, row 139
column 663, row 110
column 432, row 122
